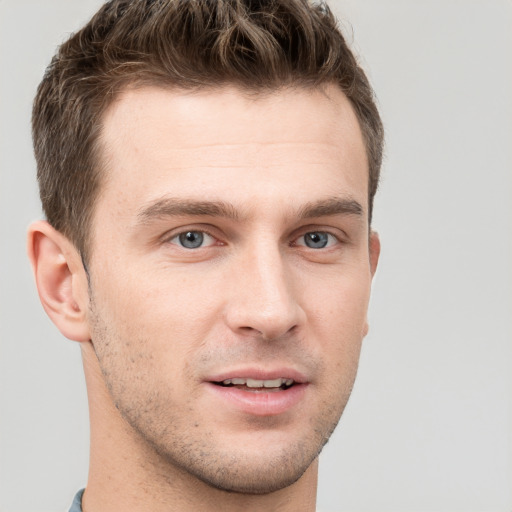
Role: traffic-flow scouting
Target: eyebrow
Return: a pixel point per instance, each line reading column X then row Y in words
column 330, row 207
column 175, row 207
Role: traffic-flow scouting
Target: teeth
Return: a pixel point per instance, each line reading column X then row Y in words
column 276, row 383
column 255, row 383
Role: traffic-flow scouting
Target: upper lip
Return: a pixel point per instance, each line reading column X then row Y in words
column 259, row 374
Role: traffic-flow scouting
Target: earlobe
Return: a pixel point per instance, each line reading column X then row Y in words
column 60, row 279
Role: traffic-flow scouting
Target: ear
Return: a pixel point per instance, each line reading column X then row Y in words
column 374, row 250
column 61, row 280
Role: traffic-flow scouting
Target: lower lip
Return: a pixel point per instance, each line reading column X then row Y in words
column 260, row 403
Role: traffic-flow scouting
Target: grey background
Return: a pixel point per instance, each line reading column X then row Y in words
column 429, row 425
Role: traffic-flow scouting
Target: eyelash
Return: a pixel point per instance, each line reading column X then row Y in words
column 179, row 241
column 318, row 232
column 202, row 232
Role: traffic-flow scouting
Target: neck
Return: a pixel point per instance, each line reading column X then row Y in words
column 127, row 474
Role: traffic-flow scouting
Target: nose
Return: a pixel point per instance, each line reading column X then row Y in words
column 263, row 301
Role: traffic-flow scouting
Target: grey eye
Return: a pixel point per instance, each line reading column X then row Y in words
column 316, row 239
column 191, row 239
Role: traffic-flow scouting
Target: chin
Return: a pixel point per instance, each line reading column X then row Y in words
column 252, row 476
column 254, row 470
column 258, row 487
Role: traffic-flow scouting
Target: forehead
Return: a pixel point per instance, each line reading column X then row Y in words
column 225, row 142
column 322, row 113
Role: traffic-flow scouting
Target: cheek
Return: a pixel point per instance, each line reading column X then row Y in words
column 337, row 323
column 340, row 303
column 155, row 297
column 150, row 328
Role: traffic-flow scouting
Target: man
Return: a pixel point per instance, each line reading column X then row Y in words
column 207, row 170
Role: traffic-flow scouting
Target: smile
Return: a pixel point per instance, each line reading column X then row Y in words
column 255, row 385
column 264, row 393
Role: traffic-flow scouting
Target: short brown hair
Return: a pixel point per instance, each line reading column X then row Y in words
column 260, row 45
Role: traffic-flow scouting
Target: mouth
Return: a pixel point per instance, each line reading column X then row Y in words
column 258, row 392
column 257, row 385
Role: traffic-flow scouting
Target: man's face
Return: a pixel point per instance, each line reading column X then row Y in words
column 230, row 276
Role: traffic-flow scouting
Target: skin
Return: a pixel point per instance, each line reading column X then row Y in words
column 158, row 321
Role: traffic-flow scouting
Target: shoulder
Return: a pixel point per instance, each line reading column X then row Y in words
column 76, row 506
